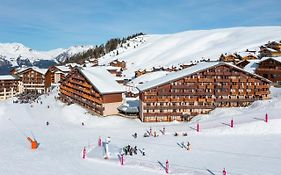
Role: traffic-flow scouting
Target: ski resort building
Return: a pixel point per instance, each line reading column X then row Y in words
column 198, row 90
column 33, row 79
column 10, row 86
column 270, row 68
column 269, row 52
column 54, row 75
column 93, row 88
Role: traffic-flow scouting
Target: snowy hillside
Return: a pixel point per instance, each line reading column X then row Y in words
column 16, row 54
column 185, row 47
column 252, row 147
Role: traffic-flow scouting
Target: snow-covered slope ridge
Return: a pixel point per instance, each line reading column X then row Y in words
column 184, row 47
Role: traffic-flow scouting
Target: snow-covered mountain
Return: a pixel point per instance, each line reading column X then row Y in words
column 147, row 51
column 16, row 54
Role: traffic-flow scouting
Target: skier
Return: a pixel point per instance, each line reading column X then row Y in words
column 143, row 152
column 135, row 150
column 224, row 172
column 135, row 135
column 47, row 123
column 82, row 123
column 150, row 131
column 126, row 150
column 188, row 146
column 164, row 130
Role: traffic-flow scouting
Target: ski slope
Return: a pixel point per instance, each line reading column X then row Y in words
column 251, row 147
column 190, row 46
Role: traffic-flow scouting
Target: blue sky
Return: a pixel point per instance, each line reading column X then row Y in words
column 49, row 24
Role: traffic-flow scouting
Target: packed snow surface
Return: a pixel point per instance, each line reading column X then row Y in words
column 251, row 147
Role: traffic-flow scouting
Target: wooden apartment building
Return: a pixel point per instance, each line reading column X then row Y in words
column 270, row 68
column 33, row 79
column 93, row 88
column 198, row 90
column 54, row 75
column 10, row 86
column 269, row 52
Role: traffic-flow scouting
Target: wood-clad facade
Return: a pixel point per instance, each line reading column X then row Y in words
column 77, row 88
column 54, row 75
column 269, row 52
column 199, row 92
column 10, row 86
column 270, row 68
column 33, row 80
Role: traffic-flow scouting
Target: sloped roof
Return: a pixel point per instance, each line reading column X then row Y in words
column 63, row 68
column 273, row 58
column 188, row 71
column 102, row 80
column 8, row 77
column 42, row 71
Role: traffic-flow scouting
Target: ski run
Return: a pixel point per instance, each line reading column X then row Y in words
column 72, row 141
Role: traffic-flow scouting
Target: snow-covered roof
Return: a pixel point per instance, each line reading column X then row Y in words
column 185, row 72
column 274, row 58
column 8, row 77
column 112, row 68
column 63, row 68
column 243, row 54
column 42, row 71
column 147, row 77
column 271, row 50
column 102, row 80
column 252, row 66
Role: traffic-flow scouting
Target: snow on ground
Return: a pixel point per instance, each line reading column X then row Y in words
column 184, row 47
column 251, row 147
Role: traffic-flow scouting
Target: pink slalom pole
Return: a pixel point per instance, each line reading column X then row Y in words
column 84, row 153
column 224, row 172
column 197, row 127
column 167, row 167
column 231, row 123
column 122, row 159
column 99, row 142
column 266, row 118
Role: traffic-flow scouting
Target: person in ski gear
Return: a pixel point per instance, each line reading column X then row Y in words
column 188, row 146
column 135, row 135
column 143, row 152
column 47, row 123
column 135, row 150
column 145, row 135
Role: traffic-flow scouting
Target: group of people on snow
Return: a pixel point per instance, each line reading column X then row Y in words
column 130, row 150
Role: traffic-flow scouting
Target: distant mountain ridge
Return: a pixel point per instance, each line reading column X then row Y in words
column 17, row 55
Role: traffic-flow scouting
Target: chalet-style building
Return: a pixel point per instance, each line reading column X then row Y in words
column 242, row 63
column 270, row 68
column 10, row 86
column 116, row 71
column 247, row 56
column 198, row 90
column 274, row 45
column 54, row 75
column 33, row 79
column 229, row 58
column 93, row 88
column 117, row 63
column 269, row 52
